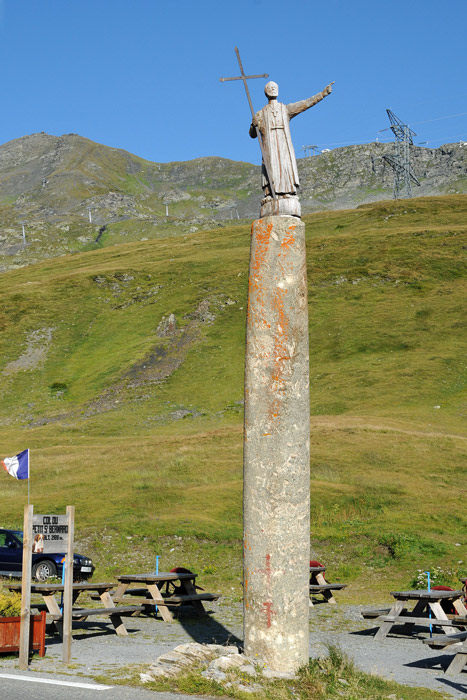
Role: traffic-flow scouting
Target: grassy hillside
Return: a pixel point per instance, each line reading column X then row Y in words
column 135, row 416
column 53, row 183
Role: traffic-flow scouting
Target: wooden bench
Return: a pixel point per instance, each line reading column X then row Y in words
column 318, row 584
column 453, row 621
column 377, row 614
column 174, row 600
column 320, row 587
column 98, row 591
column 405, row 617
column 83, row 613
column 451, row 642
column 428, row 612
column 162, row 591
column 382, row 613
column 129, row 591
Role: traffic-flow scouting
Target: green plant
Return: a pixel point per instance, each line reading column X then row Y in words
column 438, row 577
column 10, row 604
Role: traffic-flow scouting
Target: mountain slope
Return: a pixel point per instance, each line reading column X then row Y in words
column 154, row 330
column 54, row 184
column 122, row 370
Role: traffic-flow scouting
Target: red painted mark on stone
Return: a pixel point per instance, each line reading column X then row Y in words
column 269, row 612
column 267, row 572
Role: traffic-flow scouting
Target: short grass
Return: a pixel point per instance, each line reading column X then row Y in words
column 99, row 397
column 333, row 676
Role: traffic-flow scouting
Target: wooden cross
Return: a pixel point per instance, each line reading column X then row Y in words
column 244, row 77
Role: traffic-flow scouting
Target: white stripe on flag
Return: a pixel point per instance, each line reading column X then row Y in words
column 18, row 466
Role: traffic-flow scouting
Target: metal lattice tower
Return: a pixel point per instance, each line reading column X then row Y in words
column 400, row 161
column 307, row 150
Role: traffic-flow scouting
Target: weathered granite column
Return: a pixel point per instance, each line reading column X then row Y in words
column 276, row 447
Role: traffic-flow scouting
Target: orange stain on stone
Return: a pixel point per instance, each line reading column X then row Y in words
column 255, row 283
column 289, row 239
column 266, row 309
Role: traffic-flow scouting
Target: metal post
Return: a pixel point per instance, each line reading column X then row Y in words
column 26, row 589
column 428, row 581
column 68, row 588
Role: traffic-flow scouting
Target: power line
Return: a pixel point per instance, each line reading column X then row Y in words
column 427, row 121
column 438, row 119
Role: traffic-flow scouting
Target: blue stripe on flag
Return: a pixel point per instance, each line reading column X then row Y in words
column 23, row 469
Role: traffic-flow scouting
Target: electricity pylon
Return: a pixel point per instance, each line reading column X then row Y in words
column 400, row 161
column 307, row 150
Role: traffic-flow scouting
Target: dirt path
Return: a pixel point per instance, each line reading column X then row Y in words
column 364, row 423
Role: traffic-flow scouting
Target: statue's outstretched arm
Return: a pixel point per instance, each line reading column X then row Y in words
column 295, row 108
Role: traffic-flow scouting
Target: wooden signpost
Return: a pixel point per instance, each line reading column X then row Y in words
column 43, row 534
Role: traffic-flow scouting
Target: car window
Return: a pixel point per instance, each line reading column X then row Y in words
column 6, row 539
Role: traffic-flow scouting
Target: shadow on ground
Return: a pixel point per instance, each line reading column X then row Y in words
column 205, row 629
column 89, row 630
column 460, row 687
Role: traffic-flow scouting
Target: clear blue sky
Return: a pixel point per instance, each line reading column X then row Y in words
column 143, row 75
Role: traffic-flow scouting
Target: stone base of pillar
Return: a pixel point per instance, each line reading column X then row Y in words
column 276, row 448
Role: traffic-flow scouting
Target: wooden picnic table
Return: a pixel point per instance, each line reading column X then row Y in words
column 426, row 602
column 162, row 591
column 101, row 591
column 451, row 642
column 318, row 584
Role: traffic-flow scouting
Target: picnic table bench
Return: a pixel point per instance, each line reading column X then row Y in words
column 427, row 602
column 161, row 591
column 101, row 592
column 318, row 584
column 452, row 642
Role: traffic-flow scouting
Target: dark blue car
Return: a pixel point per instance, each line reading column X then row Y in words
column 44, row 566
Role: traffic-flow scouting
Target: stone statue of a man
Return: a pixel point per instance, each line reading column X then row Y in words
column 273, row 124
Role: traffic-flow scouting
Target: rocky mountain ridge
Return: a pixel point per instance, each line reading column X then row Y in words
column 74, row 194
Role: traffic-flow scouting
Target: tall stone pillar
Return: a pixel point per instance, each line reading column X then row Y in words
column 276, row 447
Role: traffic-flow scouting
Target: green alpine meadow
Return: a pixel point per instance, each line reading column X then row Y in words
column 122, row 372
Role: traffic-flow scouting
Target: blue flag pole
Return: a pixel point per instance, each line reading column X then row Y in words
column 63, row 584
column 429, row 589
column 157, row 573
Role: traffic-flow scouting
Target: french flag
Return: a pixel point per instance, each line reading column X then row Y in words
column 18, row 466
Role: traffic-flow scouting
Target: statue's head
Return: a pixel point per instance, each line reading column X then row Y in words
column 271, row 89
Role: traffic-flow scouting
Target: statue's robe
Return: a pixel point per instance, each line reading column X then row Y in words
column 273, row 123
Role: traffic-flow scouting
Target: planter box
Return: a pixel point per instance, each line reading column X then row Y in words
column 10, row 631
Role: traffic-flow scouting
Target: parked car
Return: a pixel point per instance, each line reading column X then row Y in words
column 44, row 566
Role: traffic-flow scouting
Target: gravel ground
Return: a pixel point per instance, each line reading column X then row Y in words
column 96, row 649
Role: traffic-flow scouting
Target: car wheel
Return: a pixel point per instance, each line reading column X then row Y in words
column 44, row 570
